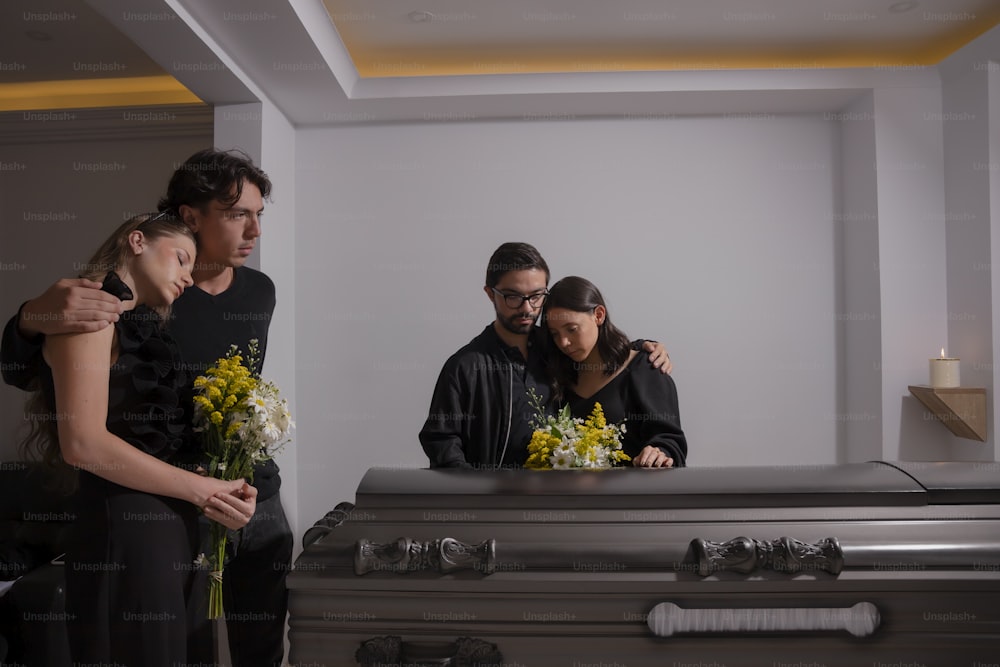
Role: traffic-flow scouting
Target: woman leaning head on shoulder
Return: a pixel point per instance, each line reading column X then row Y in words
column 147, row 260
column 151, row 255
column 577, row 316
column 590, row 354
column 119, row 422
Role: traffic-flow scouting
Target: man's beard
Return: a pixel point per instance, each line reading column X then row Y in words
column 513, row 324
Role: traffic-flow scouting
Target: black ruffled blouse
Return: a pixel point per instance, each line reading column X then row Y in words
column 146, row 384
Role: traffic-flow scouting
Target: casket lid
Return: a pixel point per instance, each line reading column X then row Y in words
column 835, row 485
column 955, row 482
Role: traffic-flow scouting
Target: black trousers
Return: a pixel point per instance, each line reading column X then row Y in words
column 129, row 572
column 254, row 593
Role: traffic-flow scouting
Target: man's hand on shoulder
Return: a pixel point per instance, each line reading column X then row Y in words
column 658, row 356
column 72, row 305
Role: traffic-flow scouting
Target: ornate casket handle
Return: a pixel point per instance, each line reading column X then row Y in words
column 666, row 619
column 408, row 555
column 463, row 652
column 331, row 520
column 784, row 554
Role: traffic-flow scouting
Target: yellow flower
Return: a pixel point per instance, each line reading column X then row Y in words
column 540, row 449
column 204, row 403
column 596, row 419
column 563, row 441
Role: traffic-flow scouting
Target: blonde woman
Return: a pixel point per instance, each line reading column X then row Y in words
column 114, row 398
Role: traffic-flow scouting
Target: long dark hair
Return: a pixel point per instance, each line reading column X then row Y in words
column 582, row 296
column 212, row 175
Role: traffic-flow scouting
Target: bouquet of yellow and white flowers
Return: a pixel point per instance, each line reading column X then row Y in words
column 563, row 442
column 243, row 421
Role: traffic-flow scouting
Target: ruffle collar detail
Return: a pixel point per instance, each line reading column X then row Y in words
column 147, row 380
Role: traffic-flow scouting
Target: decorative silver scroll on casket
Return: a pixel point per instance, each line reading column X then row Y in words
column 834, row 565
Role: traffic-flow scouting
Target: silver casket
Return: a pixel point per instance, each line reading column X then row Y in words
column 881, row 564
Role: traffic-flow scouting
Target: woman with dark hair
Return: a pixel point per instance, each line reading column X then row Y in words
column 114, row 398
column 593, row 363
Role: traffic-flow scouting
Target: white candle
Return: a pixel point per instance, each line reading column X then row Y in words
column 945, row 371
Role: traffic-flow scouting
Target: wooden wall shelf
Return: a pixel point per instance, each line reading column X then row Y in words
column 961, row 409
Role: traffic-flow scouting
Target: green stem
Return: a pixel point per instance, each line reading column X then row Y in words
column 217, row 561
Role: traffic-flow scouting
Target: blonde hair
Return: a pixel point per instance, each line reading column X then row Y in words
column 114, row 253
column 42, row 441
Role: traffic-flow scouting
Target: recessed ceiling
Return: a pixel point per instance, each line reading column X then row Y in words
column 63, row 54
column 366, row 61
column 386, row 38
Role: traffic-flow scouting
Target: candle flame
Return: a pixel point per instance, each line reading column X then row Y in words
column 942, row 353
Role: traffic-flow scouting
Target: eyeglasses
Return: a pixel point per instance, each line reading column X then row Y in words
column 517, row 300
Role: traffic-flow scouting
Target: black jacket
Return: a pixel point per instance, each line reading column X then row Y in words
column 476, row 416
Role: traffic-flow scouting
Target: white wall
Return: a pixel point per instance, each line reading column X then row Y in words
column 715, row 235
column 859, row 298
column 967, row 158
column 911, row 262
column 277, row 259
column 971, row 128
column 65, row 188
column 993, row 139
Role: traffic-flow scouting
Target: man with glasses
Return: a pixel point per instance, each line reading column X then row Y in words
column 220, row 195
column 480, row 414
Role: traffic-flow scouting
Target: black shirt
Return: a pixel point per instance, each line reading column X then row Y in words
column 205, row 325
column 646, row 401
